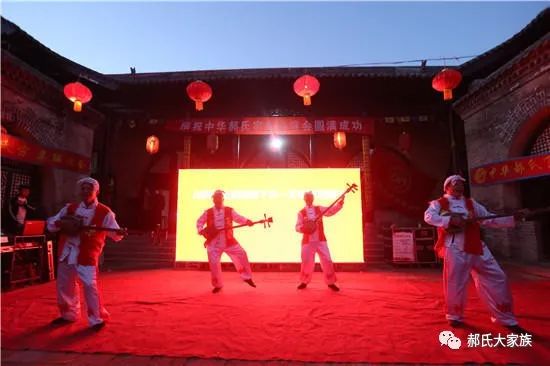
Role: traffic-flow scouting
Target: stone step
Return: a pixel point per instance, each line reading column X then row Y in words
column 108, row 266
column 137, row 252
column 141, row 254
column 123, row 260
column 375, row 253
column 375, row 257
column 139, row 249
column 371, row 256
column 375, row 261
column 374, row 250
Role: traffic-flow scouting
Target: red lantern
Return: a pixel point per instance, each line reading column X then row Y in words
column 152, row 145
column 4, row 138
column 306, row 86
column 200, row 92
column 405, row 141
column 77, row 93
column 445, row 81
column 212, row 143
column 339, row 140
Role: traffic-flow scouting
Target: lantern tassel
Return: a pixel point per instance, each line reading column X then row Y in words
column 307, row 100
column 199, row 105
column 447, row 94
column 77, row 106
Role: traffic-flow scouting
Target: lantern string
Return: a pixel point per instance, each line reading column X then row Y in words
column 422, row 60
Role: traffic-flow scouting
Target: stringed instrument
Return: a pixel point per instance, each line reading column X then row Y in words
column 211, row 232
column 452, row 229
column 309, row 226
column 72, row 225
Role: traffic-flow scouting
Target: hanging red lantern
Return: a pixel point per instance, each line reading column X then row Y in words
column 212, row 143
column 339, row 140
column 152, row 145
column 200, row 92
column 77, row 93
column 306, row 86
column 405, row 141
column 4, row 137
column 445, row 81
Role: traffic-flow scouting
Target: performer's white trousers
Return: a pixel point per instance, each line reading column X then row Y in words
column 308, row 262
column 68, row 292
column 489, row 279
column 238, row 257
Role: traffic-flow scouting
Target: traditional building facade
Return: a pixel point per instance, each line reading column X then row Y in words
column 43, row 143
column 507, row 125
column 403, row 145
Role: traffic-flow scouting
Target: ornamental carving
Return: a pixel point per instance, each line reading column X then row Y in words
column 532, row 62
column 47, row 131
column 518, row 114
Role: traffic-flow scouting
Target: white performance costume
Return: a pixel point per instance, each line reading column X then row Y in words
column 78, row 259
column 316, row 242
column 490, row 280
column 224, row 242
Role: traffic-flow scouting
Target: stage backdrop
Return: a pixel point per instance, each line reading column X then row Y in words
column 278, row 193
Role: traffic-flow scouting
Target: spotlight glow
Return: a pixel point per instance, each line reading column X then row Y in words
column 276, row 143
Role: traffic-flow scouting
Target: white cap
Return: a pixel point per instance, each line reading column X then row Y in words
column 91, row 181
column 451, row 180
column 217, row 192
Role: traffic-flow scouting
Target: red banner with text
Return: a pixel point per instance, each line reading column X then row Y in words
column 19, row 149
column 272, row 125
column 511, row 170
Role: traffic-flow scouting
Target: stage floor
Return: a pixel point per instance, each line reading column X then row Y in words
column 384, row 315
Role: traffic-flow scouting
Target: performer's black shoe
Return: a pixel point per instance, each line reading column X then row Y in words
column 456, row 323
column 250, row 282
column 516, row 329
column 98, row 327
column 333, row 287
column 302, row 286
column 61, row 321
column 215, row 290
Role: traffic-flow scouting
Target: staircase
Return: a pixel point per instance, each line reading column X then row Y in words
column 137, row 251
column 374, row 245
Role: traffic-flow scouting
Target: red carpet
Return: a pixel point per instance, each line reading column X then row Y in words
column 380, row 316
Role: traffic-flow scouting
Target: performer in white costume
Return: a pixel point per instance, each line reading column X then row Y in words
column 218, row 217
column 78, row 255
column 315, row 241
column 465, row 254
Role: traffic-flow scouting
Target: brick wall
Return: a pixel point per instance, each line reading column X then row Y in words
column 494, row 112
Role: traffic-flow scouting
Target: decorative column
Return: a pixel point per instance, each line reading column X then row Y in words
column 184, row 157
column 373, row 249
column 367, row 179
column 183, row 162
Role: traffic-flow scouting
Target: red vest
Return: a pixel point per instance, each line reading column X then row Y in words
column 91, row 242
column 228, row 222
column 472, row 232
column 305, row 237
